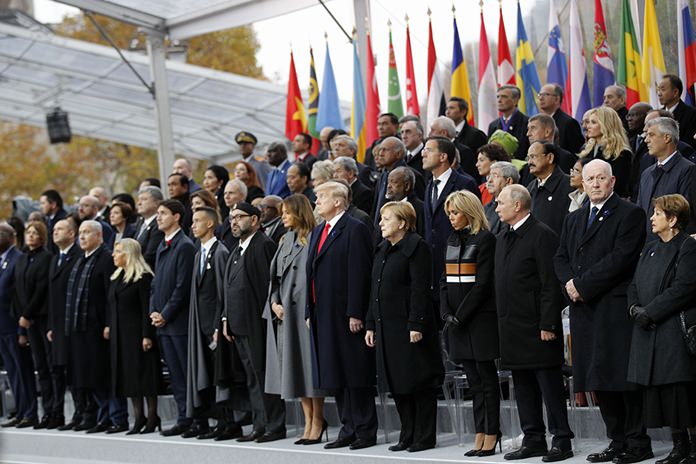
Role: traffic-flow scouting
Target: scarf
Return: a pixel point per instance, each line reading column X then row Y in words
column 76, row 312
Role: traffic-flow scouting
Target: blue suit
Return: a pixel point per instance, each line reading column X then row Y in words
column 277, row 183
column 171, row 289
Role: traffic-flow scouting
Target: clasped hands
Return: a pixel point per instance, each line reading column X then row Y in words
column 641, row 317
column 572, row 292
column 157, row 319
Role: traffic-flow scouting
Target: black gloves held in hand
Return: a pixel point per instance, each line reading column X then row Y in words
column 642, row 318
column 451, row 319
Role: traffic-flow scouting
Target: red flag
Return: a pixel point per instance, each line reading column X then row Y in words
column 435, row 105
column 295, row 115
column 506, row 71
column 412, row 106
column 372, row 99
column 486, row 81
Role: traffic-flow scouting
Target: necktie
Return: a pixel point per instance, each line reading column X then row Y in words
column 593, row 216
column 324, row 235
column 168, row 243
column 434, row 193
column 61, row 258
column 202, row 266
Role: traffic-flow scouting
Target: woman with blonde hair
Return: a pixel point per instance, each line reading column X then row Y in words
column 401, row 326
column 467, row 305
column 607, row 140
column 322, row 171
column 135, row 368
column 288, row 347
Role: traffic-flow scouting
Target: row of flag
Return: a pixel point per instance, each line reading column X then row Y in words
column 638, row 70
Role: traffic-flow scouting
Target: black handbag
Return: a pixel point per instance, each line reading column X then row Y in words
column 689, row 335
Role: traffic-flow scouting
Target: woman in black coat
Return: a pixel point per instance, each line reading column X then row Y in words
column 215, row 179
column 467, row 304
column 135, row 359
column 401, row 326
column 30, row 307
column 663, row 287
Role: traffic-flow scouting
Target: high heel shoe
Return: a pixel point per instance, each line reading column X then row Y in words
column 137, row 426
column 474, row 451
column 301, row 441
column 316, row 441
column 155, row 423
column 490, row 452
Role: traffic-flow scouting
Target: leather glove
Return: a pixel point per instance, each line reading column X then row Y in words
column 451, row 319
column 642, row 318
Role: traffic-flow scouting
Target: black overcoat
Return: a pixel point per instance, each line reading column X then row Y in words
column 528, row 297
column 601, row 261
column 400, row 301
column 550, row 202
column 57, row 289
column 31, row 284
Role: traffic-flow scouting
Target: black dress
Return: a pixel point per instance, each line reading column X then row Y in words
column 134, row 372
column 665, row 284
column 253, row 192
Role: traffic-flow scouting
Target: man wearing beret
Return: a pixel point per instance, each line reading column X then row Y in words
column 247, row 141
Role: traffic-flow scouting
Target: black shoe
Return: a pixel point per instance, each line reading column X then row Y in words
column 361, row 443
column 99, row 428
column 26, row 423
column 414, row 448
column 526, row 452
column 138, row 425
column 229, row 432
column 490, row 452
column 399, row 446
column 56, row 422
column 632, row 455
column 690, row 459
column 605, row 456
column 195, row 430
column 251, row 437
column 316, row 441
column 556, row 454
column 152, row 424
column 271, row 436
column 10, row 423
column 69, row 426
column 82, row 426
column 43, row 423
column 117, row 428
column 177, row 429
column 680, row 450
column 210, row 434
column 339, row 443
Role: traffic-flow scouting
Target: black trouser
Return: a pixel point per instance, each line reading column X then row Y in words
column 268, row 411
column 418, row 414
column 533, row 389
column 622, row 413
column 85, row 404
column 58, row 378
column 482, row 377
column 356, row 407
column 41, row 352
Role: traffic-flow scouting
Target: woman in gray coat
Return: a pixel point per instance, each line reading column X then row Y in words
column 288, row 349
column 663, row 287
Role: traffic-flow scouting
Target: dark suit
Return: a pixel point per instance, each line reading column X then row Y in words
column 642, row 160
column 467, row 161
column 338, row 287
column 274, row 229
column 529, row 300
column 601, row 260
column 550, row 202
column 437, row 225
column 108, row 233
column 149, row 239
column 678, row 175
column 171, row 289
column 418, row 205
column 50, row 223
column 224, row 234
column 471, row 137
column 685, row 115
column 277, row 183
column 569, row 131
column 621, row 168
column 496, row 226
column 517, row 126
column 362, row 196
column 381, row 189
column 415, row 159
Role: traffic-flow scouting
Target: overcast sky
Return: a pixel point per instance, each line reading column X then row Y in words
column 307, row 28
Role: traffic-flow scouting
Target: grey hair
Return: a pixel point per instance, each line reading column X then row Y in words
column 323, row 168
column 153, row 191
column 507, row 170
column 619, row 89
column 409, row 176
column 513, row 88
column 349, row 140
column 665, row 126
column 606, row 167
column 416, row 119
column 94, row 225
column 240, row 185
column 347, row 163
column 521, row 194
column 443, row 122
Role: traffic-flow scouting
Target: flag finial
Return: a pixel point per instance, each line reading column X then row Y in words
column 454, row 10
column 406, row 19
column 326, row 36
column 389, row 24
column 481, row 5
column 429, row 13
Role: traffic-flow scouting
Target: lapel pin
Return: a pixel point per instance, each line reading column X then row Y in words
column 550, row 198
column 4, row 265
column 601, row 218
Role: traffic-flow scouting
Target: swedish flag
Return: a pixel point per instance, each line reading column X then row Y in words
column 525, row 70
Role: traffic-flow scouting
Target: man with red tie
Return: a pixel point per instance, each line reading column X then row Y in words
column 338, row 280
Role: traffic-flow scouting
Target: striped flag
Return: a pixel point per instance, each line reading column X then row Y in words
column 372, row 97
column 577, row 89
column 628, row 72
column 357, row 108
column 295, row 116
column 556, row 62
column 436, row 95
column 686, row 51
column 487, row 108
column 394, row 104
column 460, row 76
column 525, row 68
column 506, row 71
column 412, row 106
column 313, row 104
column 603, row 61
column 653, row 65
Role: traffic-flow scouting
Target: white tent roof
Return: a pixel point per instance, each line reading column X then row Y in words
column 186, row 18
column 105, row 100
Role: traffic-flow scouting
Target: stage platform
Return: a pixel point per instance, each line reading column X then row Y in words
column 52, row 447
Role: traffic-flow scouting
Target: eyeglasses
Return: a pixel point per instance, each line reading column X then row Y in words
column 237, row 217
column 545, row 94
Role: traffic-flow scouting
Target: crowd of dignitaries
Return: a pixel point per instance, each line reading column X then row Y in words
column 303, row 276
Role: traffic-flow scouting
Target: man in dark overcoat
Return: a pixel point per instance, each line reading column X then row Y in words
column 595, row 262
column 147, row 233
column 338, row 286
column 529, row 303
column 169, row 303
column 246, row 281
column 551, row 187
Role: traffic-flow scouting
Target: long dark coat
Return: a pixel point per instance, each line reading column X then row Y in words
column 550, row 202
column 149, row 241
column 400, row 302
column 528, row 297
column 31, row 284
column 621, row 168
column 472, row 302
column 665, row 285
column 134, row 372
column 601, row 261
column 569, row 131
column 340, row 277
column 57, row 289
